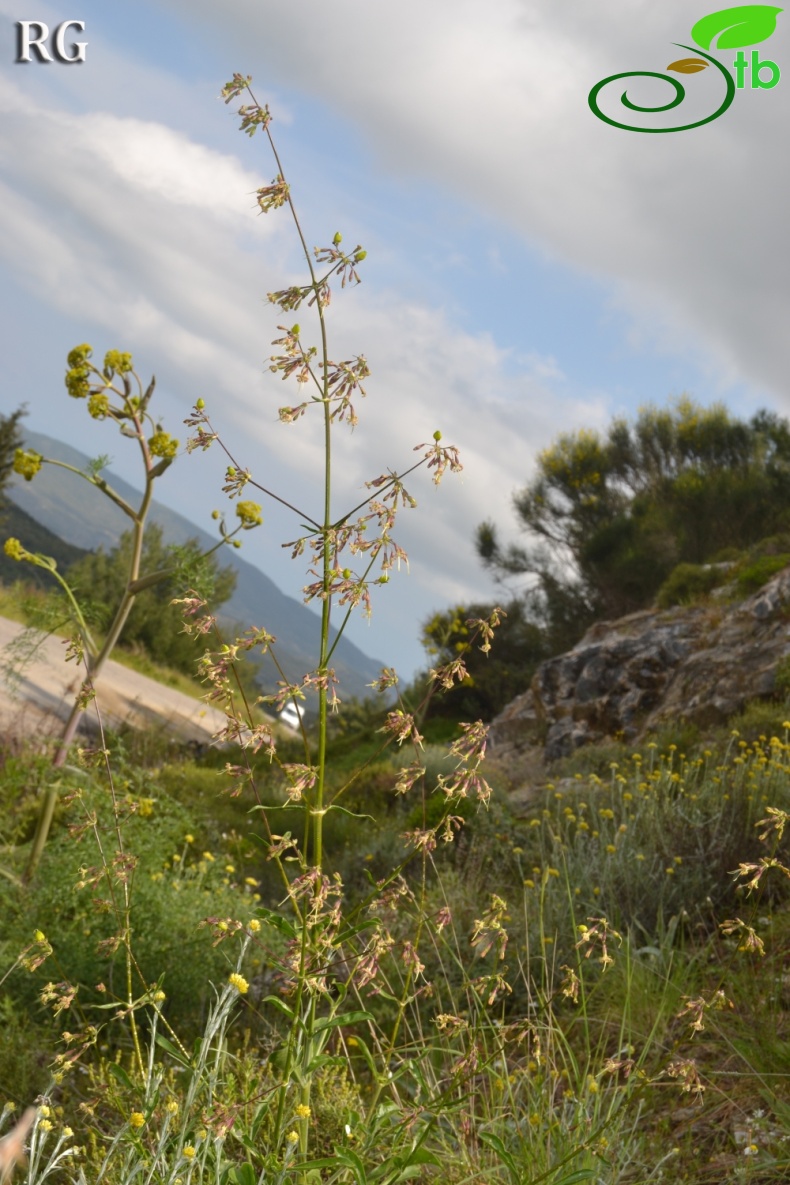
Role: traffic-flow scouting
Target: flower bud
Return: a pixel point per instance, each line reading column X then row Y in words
column 437, row 436
column 200, row 404
column 115, row 360
column 249, row 513
column 78, row 355
column 338, row 239
column 27, row 463
column 98, row 405
column 162, row 444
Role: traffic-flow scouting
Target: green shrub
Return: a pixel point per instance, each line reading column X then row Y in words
column 760, row 719
column 757, row 573
column 26, row 1051
column 174, row 887
column 687, row 583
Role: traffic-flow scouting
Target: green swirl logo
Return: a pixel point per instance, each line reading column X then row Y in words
column 730, row 28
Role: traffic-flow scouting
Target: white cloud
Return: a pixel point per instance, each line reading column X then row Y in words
column 492, row 100
column 153, row 158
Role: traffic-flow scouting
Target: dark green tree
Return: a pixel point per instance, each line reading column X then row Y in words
column 10, row 441
column 154, row 625
column 494, row 678
column 611, row 515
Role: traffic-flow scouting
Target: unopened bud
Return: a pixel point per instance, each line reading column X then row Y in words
column 359, row 256
column 338, row 239
column 200, row 404
column 437, row 436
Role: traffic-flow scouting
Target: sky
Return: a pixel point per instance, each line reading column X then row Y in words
column 531, row 269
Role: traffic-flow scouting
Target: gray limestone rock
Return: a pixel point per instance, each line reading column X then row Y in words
column 699, row 663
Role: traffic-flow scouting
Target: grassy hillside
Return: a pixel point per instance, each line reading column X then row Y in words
column 598, row 997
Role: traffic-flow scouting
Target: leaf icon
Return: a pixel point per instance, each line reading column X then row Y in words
column 688, row 65
column 735, row 27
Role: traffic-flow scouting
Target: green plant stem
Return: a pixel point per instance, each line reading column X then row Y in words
column 315, row 809
column 95, row 480
column 95, row 662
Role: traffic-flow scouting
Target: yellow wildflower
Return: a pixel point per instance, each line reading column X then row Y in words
column 162, row 444
column 249, row 513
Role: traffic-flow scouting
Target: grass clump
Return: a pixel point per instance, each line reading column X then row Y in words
column 688, row 583
column 754, row 575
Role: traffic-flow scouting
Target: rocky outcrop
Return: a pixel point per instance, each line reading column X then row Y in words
column 700, row 663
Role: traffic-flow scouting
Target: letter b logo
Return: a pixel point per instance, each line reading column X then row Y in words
column 757, row 69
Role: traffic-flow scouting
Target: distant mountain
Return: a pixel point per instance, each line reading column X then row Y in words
column 56, row 499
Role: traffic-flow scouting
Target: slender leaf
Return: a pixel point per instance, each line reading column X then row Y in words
column 345, row 811
column 280, row 1005
column 344, row 1156
column 422, row 1156
column 277, row 922
column 120, row 1075
column 173, row 1050
column 348, row 1018
column 243, row 1174
column 501, row 1151
column 367, row 1055
column 350, row 931
column 326, row 1059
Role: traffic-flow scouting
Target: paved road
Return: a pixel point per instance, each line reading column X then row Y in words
column 43, row 697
